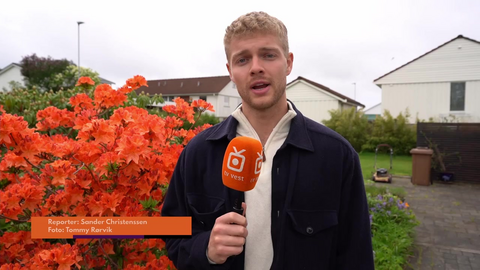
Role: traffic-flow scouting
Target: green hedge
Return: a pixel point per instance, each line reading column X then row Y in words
column 364, row 135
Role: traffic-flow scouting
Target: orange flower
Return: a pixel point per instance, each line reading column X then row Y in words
column 132, row 147
column 85, row 81
column 106, row 97
column 52, row 117
column 133, row 84
column 59, row 171
column 202, row 105
column 12, row 160
column 81, row 101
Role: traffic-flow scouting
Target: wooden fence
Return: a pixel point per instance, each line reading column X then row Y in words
column 461, row 138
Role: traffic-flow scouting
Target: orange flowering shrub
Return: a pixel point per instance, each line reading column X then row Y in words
column 114, row 166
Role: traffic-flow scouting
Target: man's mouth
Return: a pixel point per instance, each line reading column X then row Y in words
column 260, row 86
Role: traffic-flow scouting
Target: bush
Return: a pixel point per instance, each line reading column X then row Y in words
column 365, row 136
column 396, row 132
column 119, row 164
column 351, row 124
column 27, row 101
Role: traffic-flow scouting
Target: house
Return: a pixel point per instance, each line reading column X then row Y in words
column 374, row 111
column 315, row 100
column 12, row 72
column 220, row 91
column 8, row 74
column 440, row 85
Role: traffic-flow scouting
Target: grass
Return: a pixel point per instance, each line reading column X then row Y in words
column 401, row 165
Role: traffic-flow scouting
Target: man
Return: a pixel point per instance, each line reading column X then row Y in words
column 308, row 209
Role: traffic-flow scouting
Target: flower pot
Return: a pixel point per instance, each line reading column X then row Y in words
column 446, row 176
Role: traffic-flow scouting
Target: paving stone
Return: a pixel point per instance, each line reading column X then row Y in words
column 450, row 225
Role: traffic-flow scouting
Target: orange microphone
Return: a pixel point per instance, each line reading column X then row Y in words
column 242, row 164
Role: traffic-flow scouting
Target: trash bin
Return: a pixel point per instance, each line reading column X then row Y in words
column 421, row 166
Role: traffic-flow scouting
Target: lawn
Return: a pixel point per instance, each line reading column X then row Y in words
column 401, row 165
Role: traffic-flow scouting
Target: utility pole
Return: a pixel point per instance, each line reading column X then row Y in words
column 78, row 64
column 354, row 91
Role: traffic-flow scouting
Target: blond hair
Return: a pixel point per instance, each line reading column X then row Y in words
column 256, row 22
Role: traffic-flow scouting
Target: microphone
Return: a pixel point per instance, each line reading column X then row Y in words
column 242, row 164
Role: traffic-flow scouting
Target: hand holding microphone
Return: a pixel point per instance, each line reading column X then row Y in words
column 240, row 171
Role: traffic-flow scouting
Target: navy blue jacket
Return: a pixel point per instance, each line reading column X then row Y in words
column 319, row 214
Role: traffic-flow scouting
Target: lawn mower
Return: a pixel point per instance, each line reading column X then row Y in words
column 381, row 174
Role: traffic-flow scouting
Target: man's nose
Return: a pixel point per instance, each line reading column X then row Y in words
column 257, row 66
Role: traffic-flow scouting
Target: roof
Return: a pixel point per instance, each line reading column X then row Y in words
column 459, row 36
column 186, row 86
column 326, row 89
column 367, row 111
column 8, row 67
column 103, row 80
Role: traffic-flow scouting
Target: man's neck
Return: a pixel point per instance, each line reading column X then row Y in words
column 265, row 121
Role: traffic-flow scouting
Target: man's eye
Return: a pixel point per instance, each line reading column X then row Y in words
column 241, row 60
column 269, row 55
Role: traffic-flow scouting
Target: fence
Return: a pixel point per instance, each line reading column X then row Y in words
column 463, row 138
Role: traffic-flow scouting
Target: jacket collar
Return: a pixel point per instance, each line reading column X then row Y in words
column 297, row 136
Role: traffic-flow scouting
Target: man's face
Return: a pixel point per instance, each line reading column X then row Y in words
column 259, row 68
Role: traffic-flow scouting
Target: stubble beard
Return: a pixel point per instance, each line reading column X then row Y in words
column 264, row 103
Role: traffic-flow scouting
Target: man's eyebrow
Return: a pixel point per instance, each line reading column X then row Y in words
column 239, row 53
column 261, row 49
column 269, row 49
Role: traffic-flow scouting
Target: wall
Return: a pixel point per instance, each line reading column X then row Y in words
column 12, row 74
column 458, row 60
column 430, row 100
column 313, row 103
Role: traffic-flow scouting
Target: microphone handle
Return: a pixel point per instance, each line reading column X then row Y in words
column 237, row 206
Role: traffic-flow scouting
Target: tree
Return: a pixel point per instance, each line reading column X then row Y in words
column 69, row 76
column 41, row 71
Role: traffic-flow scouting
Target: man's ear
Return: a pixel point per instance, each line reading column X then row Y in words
column 229, row 72
column 289, row 63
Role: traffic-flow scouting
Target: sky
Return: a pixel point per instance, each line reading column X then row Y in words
column 344, row 45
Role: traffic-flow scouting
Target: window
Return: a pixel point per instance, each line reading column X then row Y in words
column 226, row 101
column 169, row 98
column 457, row 96
column 203, row 98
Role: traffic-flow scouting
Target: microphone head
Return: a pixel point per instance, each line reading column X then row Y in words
column 242, row 163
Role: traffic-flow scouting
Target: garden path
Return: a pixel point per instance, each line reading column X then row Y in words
column 449, row 234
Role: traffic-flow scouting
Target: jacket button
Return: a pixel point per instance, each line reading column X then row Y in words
column 309, row 230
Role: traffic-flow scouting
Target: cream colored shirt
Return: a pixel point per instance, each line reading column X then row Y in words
column 259, row 246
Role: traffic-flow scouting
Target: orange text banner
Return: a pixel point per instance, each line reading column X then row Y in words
column 67, row 227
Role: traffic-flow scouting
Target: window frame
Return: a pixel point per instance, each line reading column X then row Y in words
column 454, row 109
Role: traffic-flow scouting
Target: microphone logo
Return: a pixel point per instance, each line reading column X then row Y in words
column 236, row 160
column 258, row 163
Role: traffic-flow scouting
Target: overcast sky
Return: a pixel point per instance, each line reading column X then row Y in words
column 335, row 43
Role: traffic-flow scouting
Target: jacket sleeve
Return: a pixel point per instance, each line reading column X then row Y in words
column 188, row 252
column 355, row 246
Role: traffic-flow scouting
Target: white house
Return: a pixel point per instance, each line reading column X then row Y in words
column 315, row 100
column 10, row 73
column 443, row 83
column 374, row 111
column 220, row 91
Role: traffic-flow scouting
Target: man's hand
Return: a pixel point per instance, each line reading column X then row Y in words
column 227, row 237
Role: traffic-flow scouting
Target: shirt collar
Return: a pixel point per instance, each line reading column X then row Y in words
column 297, row 136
